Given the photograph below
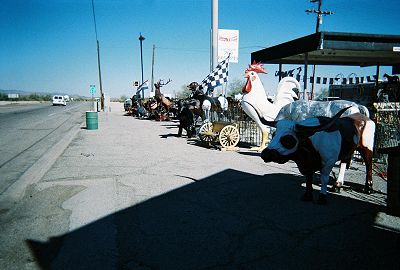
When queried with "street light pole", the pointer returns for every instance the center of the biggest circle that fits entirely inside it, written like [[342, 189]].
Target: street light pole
[[141, 38]]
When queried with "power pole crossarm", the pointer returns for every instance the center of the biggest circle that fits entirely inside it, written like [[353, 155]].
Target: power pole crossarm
[[319, 13]]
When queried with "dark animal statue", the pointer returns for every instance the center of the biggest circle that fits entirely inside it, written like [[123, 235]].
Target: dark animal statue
[[164, 104], [392, 79], [391, 90], [186, 122], [207, 104]]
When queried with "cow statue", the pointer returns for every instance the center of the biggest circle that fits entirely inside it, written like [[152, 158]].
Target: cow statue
[[317, 143], [301, 109]]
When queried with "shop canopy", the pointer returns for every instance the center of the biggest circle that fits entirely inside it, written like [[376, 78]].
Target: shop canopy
[[334, 48]]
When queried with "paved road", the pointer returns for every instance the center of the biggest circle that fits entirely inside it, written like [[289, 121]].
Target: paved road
[[132, 195], [28, 132]]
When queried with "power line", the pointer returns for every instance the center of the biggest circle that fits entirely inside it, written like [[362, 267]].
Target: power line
[[182, 49]]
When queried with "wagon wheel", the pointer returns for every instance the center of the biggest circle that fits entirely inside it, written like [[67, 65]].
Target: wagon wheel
[[206, 133], [229, 136]]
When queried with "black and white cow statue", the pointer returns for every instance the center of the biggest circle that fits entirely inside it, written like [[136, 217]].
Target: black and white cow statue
[[316, 144], [299, 110]]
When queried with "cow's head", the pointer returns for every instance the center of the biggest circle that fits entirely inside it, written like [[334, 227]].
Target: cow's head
[[289, 135]]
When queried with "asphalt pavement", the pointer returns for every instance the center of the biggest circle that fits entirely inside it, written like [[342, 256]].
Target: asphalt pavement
[[133, 195]]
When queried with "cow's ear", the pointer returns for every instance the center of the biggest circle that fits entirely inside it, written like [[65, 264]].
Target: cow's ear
[[288, 141]]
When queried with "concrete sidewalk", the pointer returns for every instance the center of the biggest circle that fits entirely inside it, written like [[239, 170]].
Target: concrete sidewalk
[[132, 195]]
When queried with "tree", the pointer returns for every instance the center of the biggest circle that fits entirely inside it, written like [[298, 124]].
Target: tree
[[3, 96], [184, 93], [123, 98], [235, 87]]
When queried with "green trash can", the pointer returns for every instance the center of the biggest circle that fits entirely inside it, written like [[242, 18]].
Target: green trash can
[[91, 120]]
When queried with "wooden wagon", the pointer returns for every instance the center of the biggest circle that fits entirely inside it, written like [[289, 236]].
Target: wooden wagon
[[226, 133]]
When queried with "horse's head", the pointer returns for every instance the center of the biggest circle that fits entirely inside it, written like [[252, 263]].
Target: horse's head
[[193, 86]]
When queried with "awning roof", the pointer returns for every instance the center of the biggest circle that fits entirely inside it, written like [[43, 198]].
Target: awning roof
[[333, 48]]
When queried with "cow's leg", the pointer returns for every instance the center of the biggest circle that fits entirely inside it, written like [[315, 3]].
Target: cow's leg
[[180, 131], [366, 154], [366, 151], [327, 167], [339, 182], [324, 186], [307, 196]]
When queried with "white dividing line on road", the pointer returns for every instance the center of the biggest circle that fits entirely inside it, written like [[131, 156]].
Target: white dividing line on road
[[66, 110], [16, 191]]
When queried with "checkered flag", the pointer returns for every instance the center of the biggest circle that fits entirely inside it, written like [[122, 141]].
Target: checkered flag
[[215, 78]]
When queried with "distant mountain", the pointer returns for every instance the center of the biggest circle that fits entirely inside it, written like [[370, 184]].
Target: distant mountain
[[14, 92], [27, 93]]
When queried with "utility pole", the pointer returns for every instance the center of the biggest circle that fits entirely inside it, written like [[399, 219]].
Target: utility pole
[[319, 22], [141, 38], [152, 69], [98, 60], [101, 85], [214, 35]]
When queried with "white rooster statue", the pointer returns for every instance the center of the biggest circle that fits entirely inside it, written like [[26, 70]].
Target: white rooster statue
[[255, 98]]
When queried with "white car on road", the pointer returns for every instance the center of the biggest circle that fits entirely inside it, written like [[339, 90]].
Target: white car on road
[[59, 100]]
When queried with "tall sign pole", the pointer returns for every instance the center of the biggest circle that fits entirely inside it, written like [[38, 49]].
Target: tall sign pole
[[214, 35]]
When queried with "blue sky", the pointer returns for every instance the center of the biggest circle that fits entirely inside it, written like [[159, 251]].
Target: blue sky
[[50, 45]]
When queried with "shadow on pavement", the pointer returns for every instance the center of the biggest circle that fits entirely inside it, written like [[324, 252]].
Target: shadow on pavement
[[165, 136], [230, 220], [250, 153]]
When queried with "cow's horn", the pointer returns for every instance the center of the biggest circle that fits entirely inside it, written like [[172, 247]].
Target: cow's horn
[[310, 130]]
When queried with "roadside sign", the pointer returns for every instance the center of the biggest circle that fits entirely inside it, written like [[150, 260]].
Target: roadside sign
[[228, 44], [142, 87], [92, 89], [13, 95]]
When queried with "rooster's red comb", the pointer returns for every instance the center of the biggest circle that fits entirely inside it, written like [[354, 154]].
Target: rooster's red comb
[[256, 67]]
